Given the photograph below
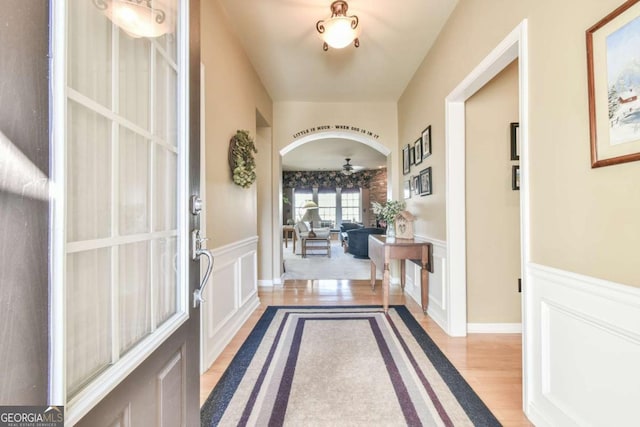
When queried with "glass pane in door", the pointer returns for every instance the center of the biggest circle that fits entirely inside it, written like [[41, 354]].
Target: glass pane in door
[[88, 323], [134, 183], [134, 294], [88, 174]]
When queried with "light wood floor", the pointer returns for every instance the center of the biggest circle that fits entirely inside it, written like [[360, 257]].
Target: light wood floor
[[491, 363]]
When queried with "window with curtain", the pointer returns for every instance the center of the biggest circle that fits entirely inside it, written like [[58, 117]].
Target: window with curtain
[[122, 272], [327, 208], [351, 206]]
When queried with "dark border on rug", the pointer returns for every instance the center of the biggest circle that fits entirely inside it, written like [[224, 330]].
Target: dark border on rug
[[217, 402], [475, 408]]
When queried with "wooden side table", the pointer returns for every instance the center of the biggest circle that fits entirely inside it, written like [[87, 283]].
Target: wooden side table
[[382, 250], [289, 231], [316, 243]]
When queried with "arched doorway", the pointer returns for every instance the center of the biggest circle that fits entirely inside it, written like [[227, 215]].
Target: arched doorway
[[315, 137]]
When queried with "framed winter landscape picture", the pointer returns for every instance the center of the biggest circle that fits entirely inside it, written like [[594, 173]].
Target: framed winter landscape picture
[[613, 72]]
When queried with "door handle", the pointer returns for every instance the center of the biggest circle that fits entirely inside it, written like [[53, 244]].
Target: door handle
[[196, 252]]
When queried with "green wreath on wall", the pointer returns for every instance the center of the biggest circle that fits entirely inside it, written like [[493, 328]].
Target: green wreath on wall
[[241, 161]]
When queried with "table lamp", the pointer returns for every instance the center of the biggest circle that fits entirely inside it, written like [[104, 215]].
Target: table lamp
[[311, 215]]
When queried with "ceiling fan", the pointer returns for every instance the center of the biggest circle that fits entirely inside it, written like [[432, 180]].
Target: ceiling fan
[[347, 168]]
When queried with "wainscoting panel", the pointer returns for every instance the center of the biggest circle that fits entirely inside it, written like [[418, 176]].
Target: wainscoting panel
[[583, 341], [231, 296], [437, 283], [248, 276]]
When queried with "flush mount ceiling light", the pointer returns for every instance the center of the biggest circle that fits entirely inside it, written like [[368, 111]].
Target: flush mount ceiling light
[[347, 168], [339, 30], [138, 18]]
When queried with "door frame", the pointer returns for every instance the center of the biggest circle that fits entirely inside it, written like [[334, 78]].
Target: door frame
[[514, 46]]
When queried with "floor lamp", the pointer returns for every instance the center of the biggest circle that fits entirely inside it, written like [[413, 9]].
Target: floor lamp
[[311, 215]]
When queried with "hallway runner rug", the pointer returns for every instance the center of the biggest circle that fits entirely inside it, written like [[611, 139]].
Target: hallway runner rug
[[342, 366]]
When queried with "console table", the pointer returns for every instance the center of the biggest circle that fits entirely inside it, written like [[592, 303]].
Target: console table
[[383, 249], [323, 243]]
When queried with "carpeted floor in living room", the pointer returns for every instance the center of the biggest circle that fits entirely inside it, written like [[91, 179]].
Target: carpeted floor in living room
[[340, 266]]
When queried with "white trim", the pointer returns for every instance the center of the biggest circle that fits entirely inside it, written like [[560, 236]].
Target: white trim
[[494, 328], [512, 47], [265, 283], [228, 248], [337, 134], [598, 320], [57, 211]]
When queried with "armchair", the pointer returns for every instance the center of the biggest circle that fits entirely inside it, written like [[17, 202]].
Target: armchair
[[301, 230], [359, 241]]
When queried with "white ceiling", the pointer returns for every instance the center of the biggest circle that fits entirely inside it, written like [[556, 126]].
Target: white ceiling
[[281, 41]]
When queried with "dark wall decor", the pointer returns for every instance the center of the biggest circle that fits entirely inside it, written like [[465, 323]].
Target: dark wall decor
[[326, 179], [406, 160], [417, 147], [426, 142], [426, 183], [515, 140], [515, 177]]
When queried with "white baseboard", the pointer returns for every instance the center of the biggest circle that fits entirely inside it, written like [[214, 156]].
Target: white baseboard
[[225, 334], [494, 328], [582, 344], [265, 283]]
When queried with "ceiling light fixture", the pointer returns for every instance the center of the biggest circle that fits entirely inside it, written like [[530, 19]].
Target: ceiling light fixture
[[138, 18], [339, 30], [347, 168]]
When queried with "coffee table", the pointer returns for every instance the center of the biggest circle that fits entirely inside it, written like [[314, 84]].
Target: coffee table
[[315, 243]]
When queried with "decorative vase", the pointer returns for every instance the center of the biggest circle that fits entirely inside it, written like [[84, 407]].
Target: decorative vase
[[391, 229]]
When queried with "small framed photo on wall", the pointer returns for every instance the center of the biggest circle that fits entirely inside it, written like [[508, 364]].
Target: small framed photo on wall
[[425, 182], [515, 141], [415, 184], [417, 147], [406, 160], [407, 189], [426, 142], [515, 177]]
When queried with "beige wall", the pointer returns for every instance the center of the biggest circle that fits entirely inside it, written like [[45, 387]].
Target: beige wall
[[493, 208], [582, 220], [233, 95], [379, 118]]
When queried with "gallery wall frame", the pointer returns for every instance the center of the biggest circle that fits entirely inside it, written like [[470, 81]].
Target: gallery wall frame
[[406, 160], [407, 188], [426, 184], [417, 147], [614, 107], [426, 142], [415, 184], [515, 177], [514, 131]]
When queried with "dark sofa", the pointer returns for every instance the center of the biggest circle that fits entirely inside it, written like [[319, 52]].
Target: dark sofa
[[359, 241], [345, 227]]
